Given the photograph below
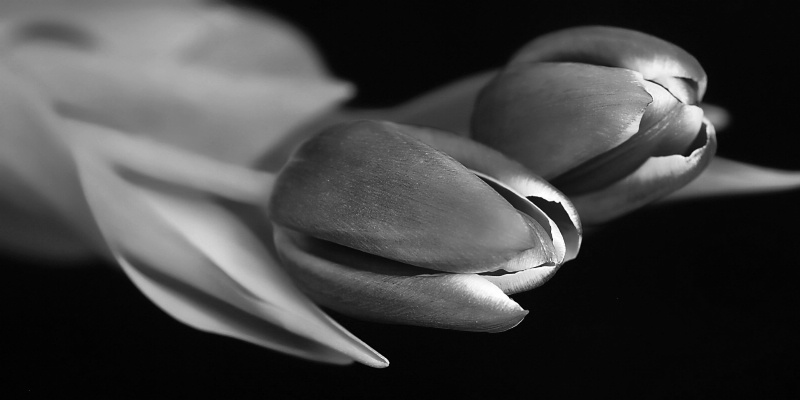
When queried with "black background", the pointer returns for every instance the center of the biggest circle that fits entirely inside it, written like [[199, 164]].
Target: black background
[[697, 300]]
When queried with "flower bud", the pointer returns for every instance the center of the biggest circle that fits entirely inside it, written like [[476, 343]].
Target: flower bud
[[376, 220], [608, 115]]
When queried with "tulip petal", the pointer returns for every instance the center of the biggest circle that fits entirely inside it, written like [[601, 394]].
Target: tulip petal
[[581, 111], [370, 186], [725, 177], [141, 29], [668, 127], [551, 204], [656, 178], [248, 42], [199, 263], [656, 59], [37, 175], [232, 119], [374, 288], [207, 35]]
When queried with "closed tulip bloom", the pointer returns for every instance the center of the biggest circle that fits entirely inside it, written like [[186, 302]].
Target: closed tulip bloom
[[610, 116], [376, 220]]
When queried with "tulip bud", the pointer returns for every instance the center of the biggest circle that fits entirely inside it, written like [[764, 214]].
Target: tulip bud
[[375, 220], [607, 115]]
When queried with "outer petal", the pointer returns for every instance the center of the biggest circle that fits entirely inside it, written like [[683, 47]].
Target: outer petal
[[378, 289], [656, 59], [200, 264], [553, 117], [656, 178], [557, 213], [725, 177], [37, 175], [206, 35], [231, 119], [370, 186]]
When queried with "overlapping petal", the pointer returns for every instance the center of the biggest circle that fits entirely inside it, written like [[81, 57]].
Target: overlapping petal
[[194, 258], [93, 102]]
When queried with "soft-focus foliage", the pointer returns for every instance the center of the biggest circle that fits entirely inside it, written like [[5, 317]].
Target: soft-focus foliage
[[114, 136]]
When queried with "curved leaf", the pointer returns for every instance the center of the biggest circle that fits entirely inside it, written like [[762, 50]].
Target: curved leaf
[[725, 177], [201, 264]]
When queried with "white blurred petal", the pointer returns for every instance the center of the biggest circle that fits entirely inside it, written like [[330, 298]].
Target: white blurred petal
[[201, 33], [200, 264], [725, 177], [37, 175], [232, 119]]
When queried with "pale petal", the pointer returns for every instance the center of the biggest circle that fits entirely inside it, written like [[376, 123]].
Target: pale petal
[[725, 177], [656, 178], [552, 204], [204, 34], [374, 288], [201, 264], [140, 29], [229, 118], [37, 174], [552, 117], [370, 186], [656, 59], [247, 42]]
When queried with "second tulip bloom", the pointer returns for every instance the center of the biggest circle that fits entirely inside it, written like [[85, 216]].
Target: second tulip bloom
[[608, 115]]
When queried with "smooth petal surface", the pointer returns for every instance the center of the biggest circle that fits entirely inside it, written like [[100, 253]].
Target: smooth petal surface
[[229, 118], [725, 177], [553, 210], [668, 127], [370, 186], [552, 117], [375, 288], [200, 264], [37, 174], [200, 33], [657, 177], [656, 59]]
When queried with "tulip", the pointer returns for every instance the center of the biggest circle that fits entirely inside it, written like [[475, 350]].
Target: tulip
[[111, 143], [377, 221], [610, 116]]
